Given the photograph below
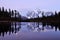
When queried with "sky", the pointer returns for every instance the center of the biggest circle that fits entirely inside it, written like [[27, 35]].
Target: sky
[[23, 5]]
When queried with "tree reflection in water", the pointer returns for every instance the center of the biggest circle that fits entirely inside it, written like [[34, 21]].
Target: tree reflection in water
[[14, 27], [10, 27]]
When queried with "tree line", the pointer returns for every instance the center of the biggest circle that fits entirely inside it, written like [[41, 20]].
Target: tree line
[[8, 14]]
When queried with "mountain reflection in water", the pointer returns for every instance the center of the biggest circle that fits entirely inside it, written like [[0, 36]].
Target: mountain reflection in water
[[14, 27], [40, 27]]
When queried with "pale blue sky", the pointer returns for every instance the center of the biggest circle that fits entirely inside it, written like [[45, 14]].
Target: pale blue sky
[[50, 5]]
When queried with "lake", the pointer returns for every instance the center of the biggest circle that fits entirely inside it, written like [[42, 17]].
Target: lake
[[29, 31]]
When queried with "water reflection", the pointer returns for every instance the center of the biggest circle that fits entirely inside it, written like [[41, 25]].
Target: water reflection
[[41, 27], [14, 27], [8, 27]]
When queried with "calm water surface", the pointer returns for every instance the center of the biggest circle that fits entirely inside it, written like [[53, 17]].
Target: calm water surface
[[29, 31]]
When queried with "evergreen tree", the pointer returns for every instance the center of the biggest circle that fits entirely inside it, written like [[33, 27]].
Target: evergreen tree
[[43, 14], [12, 14], [55, 13], [2, 9]]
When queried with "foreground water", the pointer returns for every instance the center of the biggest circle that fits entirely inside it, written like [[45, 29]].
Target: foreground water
[[29, 31]]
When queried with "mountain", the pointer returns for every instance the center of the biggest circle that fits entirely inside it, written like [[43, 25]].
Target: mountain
[[23, 18]]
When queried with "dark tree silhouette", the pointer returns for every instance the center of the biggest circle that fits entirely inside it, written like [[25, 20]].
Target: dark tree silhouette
[[43, 14], [11, 15], [3, 9]]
